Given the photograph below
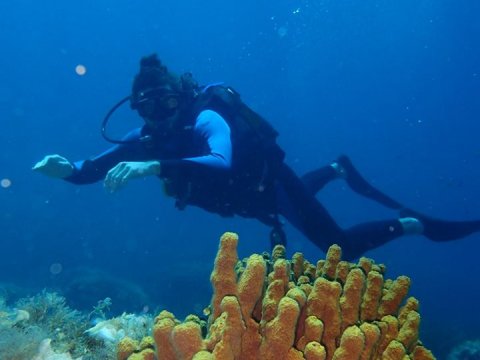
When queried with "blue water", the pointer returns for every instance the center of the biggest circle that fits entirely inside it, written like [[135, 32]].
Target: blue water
[[395, 85]]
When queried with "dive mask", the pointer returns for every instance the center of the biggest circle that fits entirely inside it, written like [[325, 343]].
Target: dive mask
[[155, 104]]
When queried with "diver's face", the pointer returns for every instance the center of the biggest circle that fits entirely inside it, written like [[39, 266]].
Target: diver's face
[[159, 107], [164, 122]]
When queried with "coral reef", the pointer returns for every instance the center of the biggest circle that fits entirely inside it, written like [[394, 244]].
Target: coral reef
[[115, 329], [20, 343], [43, 327], [45, 352], [266, 307]]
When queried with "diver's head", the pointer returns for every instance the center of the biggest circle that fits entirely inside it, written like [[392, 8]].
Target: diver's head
[[157, 94], [158, 105]]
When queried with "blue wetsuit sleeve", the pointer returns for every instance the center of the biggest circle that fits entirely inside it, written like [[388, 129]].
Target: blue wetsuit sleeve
[[214, 133], [96, 168]]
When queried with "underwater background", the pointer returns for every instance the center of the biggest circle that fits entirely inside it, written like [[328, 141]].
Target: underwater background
[[394, 85]]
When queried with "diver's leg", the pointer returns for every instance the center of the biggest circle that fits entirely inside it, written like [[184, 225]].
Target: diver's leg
[[357, 183], [367, 236], [343, 168], [277, 235], [443, 230], [306, 213], [434, 229], [315, 180], [300, 207]]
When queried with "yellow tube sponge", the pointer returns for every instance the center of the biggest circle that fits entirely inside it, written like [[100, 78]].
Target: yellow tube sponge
[[388, 332], [230, 345], [313, 331], [224, 278], [372, 335], [410, 305], [215, 332], [297, 265], [294, 354], [319, 268], [309, 270], [371, 296], [281, 271], [250, 285], [334, 255], [393, 297], [333, 311], [203, 355], [298, 295], [421, 353], [147, 354], [351, 344], [341, 272], [280, 332], [315, 351], [278, 252], [352, 297], [162, 332], [273, 295], [147, 343], [324, 303], [408, 334], [187, 340], [365, 264], [126, 347], [394, 351]]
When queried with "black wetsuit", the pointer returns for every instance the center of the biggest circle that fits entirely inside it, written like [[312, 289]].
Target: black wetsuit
[[199, 168]]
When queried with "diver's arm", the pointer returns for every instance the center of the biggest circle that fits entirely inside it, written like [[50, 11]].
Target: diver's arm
[[91, 170], [96, 169], [119, 167], [215, 131]]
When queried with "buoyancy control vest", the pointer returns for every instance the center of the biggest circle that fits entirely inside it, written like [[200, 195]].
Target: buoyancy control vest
[[255, 157], [251, 133]]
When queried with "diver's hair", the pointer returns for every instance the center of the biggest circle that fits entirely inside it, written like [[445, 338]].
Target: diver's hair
[[154, 74]]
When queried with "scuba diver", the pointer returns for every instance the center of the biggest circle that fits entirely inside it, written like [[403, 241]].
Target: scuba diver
[[213, 151]]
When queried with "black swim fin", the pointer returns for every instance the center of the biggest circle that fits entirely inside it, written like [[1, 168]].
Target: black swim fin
[[443, 230], [361, 186]]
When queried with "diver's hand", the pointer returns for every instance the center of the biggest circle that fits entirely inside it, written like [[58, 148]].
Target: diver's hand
[[55, 166], [118, 176]]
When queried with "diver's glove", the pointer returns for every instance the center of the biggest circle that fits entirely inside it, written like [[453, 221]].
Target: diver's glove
[[119, 175], [55, 166]]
